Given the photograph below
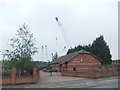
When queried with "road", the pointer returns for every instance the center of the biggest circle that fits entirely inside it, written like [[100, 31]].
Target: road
[[106, 82]]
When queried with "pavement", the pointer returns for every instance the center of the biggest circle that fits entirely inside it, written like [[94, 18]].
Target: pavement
[[58, 81]]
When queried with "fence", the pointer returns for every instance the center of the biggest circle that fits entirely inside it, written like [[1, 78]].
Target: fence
[[15, 79], [92, 71]]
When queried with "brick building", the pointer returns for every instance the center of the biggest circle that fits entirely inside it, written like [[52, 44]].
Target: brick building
[[74, 61], [115, 61]]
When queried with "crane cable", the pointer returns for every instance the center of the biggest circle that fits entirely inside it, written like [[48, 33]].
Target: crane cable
[[64, 34]]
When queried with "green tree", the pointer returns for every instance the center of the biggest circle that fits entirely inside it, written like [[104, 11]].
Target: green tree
[[22, 48], [55, 57], [101, 50], [80, 47]]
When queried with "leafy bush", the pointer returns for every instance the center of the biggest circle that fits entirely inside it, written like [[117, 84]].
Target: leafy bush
[[6, 73], [117, 67], [49, 70], [97, 70], [24, 73], [108, 68]]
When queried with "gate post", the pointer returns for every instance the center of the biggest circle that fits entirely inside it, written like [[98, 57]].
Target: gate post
[[13, 75], [91, 72], [113, 69], [35, 74], [103, 70]]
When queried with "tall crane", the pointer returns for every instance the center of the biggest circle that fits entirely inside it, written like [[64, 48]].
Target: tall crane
[[46, 53], [42, 53], [64, 34]]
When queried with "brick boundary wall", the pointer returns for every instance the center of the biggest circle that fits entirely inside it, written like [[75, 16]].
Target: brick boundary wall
[[23, 79], [92, 74]]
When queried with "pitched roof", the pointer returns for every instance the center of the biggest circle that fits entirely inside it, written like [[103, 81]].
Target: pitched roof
[[68, 57]]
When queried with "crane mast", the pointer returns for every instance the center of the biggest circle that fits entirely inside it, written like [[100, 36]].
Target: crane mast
[[63, 33]]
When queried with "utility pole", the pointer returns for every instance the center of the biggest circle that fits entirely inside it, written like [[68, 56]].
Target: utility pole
[[42, 53], [46, 53]]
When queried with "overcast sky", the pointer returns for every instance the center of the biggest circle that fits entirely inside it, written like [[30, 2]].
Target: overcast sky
[[82, 20]]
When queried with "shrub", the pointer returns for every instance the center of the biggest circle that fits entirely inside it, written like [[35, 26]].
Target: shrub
[[49, 70], [6, 73], [97, 70]]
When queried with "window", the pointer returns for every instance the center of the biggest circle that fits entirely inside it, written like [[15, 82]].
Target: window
[[74, 69]]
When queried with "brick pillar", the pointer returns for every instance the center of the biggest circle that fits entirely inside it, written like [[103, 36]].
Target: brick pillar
[[13, 75], [58, 69], [103, 70], [35, 74], [91, 72], [38, 73], [113, 69]]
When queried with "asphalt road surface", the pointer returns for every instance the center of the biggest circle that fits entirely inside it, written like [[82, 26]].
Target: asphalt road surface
[[106, 82]]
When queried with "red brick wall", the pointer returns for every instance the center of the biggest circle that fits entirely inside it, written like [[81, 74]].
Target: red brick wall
[[5, 80], [26, 79], [56, 67], [81, 66], [87, 59], [91, 73]]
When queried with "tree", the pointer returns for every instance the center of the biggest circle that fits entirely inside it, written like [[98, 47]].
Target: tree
[[101, 50], [80, 47], [22, 48], [55, 57]]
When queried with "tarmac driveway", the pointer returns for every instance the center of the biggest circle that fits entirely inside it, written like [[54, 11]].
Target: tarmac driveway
[[56, 77]]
